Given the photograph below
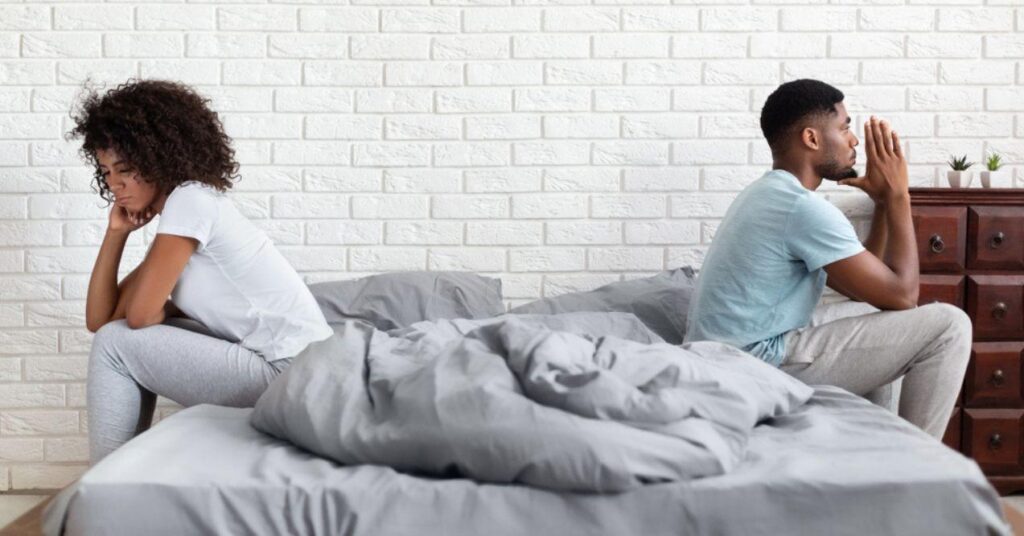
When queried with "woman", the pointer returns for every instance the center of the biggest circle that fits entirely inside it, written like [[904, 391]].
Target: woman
[[237, 311]]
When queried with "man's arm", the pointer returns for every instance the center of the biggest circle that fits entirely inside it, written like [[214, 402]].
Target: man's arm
[[876, 243], [878, 237], [865, 275]]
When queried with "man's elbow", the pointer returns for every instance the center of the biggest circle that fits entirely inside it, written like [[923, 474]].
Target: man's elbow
[[909, 299]]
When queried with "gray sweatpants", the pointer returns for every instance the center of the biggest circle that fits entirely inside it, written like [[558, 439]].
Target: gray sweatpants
[[180, 360], [863, 350]]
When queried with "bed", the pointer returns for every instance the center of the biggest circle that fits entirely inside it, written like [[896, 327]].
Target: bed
[[836, 464], [839, 465]]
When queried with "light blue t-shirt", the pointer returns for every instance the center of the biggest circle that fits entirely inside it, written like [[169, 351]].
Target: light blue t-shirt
[[763, 275]]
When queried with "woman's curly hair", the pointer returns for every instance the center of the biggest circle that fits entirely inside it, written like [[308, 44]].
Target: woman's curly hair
[[163, 129]]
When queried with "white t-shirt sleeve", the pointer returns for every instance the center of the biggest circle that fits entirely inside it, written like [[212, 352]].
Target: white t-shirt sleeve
[[192, 211]]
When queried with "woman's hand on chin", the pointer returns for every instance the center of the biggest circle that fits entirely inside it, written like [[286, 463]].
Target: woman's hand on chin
[[125, 221]]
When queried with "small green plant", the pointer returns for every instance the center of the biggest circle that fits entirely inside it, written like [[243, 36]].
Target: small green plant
[[994, 162], [959, 164]]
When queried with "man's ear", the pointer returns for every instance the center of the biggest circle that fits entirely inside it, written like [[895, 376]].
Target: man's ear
[[809, 137]]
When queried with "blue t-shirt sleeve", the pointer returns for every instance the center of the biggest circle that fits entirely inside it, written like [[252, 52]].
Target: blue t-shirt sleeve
[[819, 234]]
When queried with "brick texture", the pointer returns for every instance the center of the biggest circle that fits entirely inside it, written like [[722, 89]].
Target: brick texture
[[559, 147]]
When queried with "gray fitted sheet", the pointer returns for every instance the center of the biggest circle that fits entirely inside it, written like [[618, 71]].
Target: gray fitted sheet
[[839, 465]]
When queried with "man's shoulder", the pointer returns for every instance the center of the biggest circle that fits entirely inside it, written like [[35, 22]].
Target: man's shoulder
[[816, 207], [766, 199]]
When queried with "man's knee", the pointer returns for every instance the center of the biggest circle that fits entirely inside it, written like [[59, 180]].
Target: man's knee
[[952, 324], [951, 317]]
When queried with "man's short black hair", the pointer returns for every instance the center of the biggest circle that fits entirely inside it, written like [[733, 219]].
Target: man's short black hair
[[793, 101]]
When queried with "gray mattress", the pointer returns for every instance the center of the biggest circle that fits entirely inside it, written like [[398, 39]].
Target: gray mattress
[[839, 465]]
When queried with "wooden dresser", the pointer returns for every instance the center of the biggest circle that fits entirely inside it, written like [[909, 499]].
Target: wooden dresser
[[971, 247]]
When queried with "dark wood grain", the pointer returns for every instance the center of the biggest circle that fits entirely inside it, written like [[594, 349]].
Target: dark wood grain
[[995, 304], [993, 295], [997, 238], [941, 238], [992, 438], [967, 196], [952, 436], [942, 288], [994, 375]]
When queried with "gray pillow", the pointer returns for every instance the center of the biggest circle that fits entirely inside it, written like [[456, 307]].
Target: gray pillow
[[400, 299], [661, 301]]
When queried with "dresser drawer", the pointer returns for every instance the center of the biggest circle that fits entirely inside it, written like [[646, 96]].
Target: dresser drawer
[[942, 288], [993, 376], [952, 435], [996, 238], [941, 237], [995, 305], [992, 438]]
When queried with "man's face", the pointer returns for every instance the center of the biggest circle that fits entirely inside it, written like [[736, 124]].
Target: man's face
[[838, 146]]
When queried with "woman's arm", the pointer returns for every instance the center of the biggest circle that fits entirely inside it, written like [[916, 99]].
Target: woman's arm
[[141, 299], [146, 305], [127, 289], [102, 299], [104, 296]]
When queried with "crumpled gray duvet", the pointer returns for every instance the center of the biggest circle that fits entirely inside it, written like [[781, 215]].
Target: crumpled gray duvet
[[578, 402]]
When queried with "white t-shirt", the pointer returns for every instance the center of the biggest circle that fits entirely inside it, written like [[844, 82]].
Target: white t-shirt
[[237, 283]]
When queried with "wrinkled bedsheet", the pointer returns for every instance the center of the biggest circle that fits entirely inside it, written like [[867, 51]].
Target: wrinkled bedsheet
[[838, 465], [511, 400]]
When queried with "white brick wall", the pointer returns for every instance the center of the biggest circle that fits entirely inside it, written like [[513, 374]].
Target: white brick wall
[[557, 144]]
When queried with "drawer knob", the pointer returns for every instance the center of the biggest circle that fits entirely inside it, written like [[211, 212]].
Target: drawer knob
[[938, 246], [997, 240], [995, 441], [999, 311], [998, 377]]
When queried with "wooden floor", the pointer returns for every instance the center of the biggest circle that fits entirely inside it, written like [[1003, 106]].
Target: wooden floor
[[28, 524]]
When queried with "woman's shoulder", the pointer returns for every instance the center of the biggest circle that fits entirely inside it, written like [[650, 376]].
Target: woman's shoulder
[[192, 198], [191, 192], [196, 188]]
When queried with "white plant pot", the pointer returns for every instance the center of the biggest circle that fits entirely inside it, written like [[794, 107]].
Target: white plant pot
[[996, 179], [959, 179]]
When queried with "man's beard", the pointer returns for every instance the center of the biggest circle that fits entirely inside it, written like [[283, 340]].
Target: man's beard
[[832, 170]]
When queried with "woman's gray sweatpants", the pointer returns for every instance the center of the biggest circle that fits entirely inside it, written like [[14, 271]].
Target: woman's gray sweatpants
[[861, 349], [179, 360]]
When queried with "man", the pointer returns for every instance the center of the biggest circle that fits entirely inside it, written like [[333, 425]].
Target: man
[[780, 243]]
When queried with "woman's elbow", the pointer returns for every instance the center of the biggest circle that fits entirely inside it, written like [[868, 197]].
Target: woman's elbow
[[137, 319], [93, 323], [139, 322]]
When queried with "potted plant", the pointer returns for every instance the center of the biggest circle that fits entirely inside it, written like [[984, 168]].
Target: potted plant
[[959, 177], [992, 176]]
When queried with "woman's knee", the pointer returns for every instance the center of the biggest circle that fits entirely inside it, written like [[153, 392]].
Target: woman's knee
[[109, 334], [106, 341]]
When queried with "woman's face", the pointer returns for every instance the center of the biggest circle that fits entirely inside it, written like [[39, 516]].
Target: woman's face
[[130, 191]]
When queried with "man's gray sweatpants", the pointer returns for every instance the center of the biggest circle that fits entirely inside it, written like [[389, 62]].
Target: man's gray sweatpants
[[180, 360], [863, 350]]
